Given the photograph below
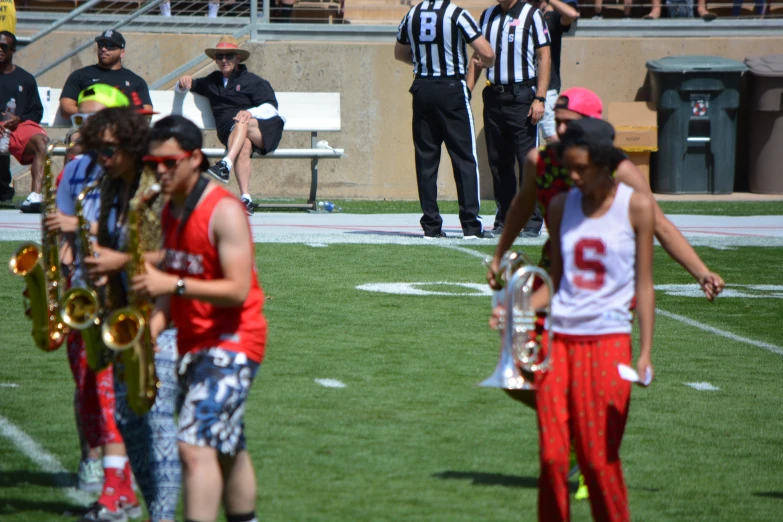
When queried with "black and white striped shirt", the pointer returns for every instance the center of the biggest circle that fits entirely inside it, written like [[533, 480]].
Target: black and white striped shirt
[[514, 36], [437, 32]]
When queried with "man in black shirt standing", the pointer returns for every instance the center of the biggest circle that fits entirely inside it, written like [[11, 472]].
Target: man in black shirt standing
[[558, 16], [432, 37], [245, 109], [514, 97], [108, 70], [27, 140]]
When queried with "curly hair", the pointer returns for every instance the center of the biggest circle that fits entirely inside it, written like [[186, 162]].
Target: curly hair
[[130, 129]]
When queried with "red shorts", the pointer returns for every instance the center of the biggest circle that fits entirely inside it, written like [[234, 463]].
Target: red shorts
[[20, 138]]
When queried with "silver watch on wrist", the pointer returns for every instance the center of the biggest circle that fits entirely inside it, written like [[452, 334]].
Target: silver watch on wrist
[[180, 290]]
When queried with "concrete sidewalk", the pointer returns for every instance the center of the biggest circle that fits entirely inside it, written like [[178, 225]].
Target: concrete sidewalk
[[322, 229]]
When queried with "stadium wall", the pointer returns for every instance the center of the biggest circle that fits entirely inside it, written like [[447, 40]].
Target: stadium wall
[[376, 106]]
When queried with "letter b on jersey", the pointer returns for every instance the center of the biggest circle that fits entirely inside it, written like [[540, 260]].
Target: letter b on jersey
[[427, 32]]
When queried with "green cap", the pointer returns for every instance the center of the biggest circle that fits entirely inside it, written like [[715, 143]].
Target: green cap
[[105, 95]]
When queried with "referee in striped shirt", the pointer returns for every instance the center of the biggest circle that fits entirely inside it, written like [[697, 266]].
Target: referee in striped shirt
[[432, 37], [514, 96]]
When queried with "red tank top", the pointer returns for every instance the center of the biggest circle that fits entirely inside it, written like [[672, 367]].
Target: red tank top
[[200, 325]]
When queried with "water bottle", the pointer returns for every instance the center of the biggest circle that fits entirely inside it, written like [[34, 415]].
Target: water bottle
[[5, 140], [328, 206]]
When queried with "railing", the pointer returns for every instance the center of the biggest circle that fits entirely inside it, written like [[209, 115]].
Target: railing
[[364, 12]]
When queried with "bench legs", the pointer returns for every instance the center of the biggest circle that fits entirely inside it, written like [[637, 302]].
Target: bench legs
[[313, 174]]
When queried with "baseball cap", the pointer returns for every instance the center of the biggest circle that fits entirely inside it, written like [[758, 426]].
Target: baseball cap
[[106, 95], [582, 101], [589, 131], [110, 35]]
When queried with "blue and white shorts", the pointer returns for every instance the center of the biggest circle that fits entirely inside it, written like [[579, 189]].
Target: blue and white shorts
[[214, 385]]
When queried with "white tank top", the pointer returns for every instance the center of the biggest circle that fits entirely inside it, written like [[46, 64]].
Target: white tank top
[[599, 268]]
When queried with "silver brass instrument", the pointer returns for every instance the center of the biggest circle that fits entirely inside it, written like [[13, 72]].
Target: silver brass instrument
[[81, 308], [39, 265], [520, 350]]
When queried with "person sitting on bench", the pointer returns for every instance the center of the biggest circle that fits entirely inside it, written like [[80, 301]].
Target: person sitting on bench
[[245, 109]]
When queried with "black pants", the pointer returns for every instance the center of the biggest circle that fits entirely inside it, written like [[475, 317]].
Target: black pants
[[441, 113], [510, 136], [6, 191]]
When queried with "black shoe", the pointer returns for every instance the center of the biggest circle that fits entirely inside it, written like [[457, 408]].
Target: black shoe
[[7, 195], [249, 207], [498, 230], [530, 232], [485, 234], [219, 171], [438, 235]]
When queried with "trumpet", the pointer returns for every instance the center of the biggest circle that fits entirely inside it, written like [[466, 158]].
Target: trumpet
[[39, 265], [80, 308], [127, 330], [520, 350]]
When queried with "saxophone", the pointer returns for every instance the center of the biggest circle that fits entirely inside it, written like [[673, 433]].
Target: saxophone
[[127, 330], [80, 308], [39, 265]]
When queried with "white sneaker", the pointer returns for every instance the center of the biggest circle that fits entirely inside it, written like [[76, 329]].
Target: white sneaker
[[90, 476], [33, 203]]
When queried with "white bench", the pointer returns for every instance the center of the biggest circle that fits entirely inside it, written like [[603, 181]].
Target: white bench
[[311, 112]]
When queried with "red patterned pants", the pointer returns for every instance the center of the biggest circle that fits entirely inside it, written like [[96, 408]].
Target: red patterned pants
[[94, 396], [583, 398]]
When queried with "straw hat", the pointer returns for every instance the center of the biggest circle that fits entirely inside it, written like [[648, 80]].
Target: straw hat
[[228, 44]]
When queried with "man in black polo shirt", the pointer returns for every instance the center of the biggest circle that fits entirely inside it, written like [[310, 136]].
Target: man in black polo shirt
[[245, 109], [108, 70]]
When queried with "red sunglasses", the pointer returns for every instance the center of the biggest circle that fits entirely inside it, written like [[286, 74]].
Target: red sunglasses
[[168, 161]]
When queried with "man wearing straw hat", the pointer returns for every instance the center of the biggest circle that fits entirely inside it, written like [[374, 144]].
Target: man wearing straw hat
[[245, 110]]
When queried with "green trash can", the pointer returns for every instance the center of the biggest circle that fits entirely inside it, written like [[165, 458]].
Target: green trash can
[[765, 135], [697, 99]]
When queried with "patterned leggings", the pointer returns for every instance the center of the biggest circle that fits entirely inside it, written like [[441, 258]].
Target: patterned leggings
[[151, 440]]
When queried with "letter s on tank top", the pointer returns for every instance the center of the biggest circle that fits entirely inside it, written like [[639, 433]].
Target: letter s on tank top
[[599, 268], [190, 253]]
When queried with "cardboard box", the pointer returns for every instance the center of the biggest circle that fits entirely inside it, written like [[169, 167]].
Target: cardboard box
[[636, 131]]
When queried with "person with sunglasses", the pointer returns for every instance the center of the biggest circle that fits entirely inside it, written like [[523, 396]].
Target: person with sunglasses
[[245, 109], [27, 139], [209, 289], [109, 71], [119, 136]]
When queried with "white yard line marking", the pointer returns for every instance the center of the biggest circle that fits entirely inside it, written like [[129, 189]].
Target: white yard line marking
[[723, 333], [45, 460], [316, 245], [464, 250], [702, 386], [330, 383], [8, 385]]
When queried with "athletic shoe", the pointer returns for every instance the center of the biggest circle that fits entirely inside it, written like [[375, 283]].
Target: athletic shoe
[[32, 205], [249, 208], [486, 234], [7, 194], [100, 513], [581, 492], [438, 235], [219, 171], [90, 476], [498, 230], [530, 232]]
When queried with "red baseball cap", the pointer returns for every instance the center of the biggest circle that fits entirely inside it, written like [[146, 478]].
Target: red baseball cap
[[582, 101]]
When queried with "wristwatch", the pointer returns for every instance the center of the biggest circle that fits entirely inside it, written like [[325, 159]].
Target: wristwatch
[[180, 290], [540, 98]]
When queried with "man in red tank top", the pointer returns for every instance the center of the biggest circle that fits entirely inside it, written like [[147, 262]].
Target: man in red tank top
[[209, 289]]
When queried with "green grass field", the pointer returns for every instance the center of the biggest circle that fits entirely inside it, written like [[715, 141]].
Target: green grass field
[[411, 436]]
